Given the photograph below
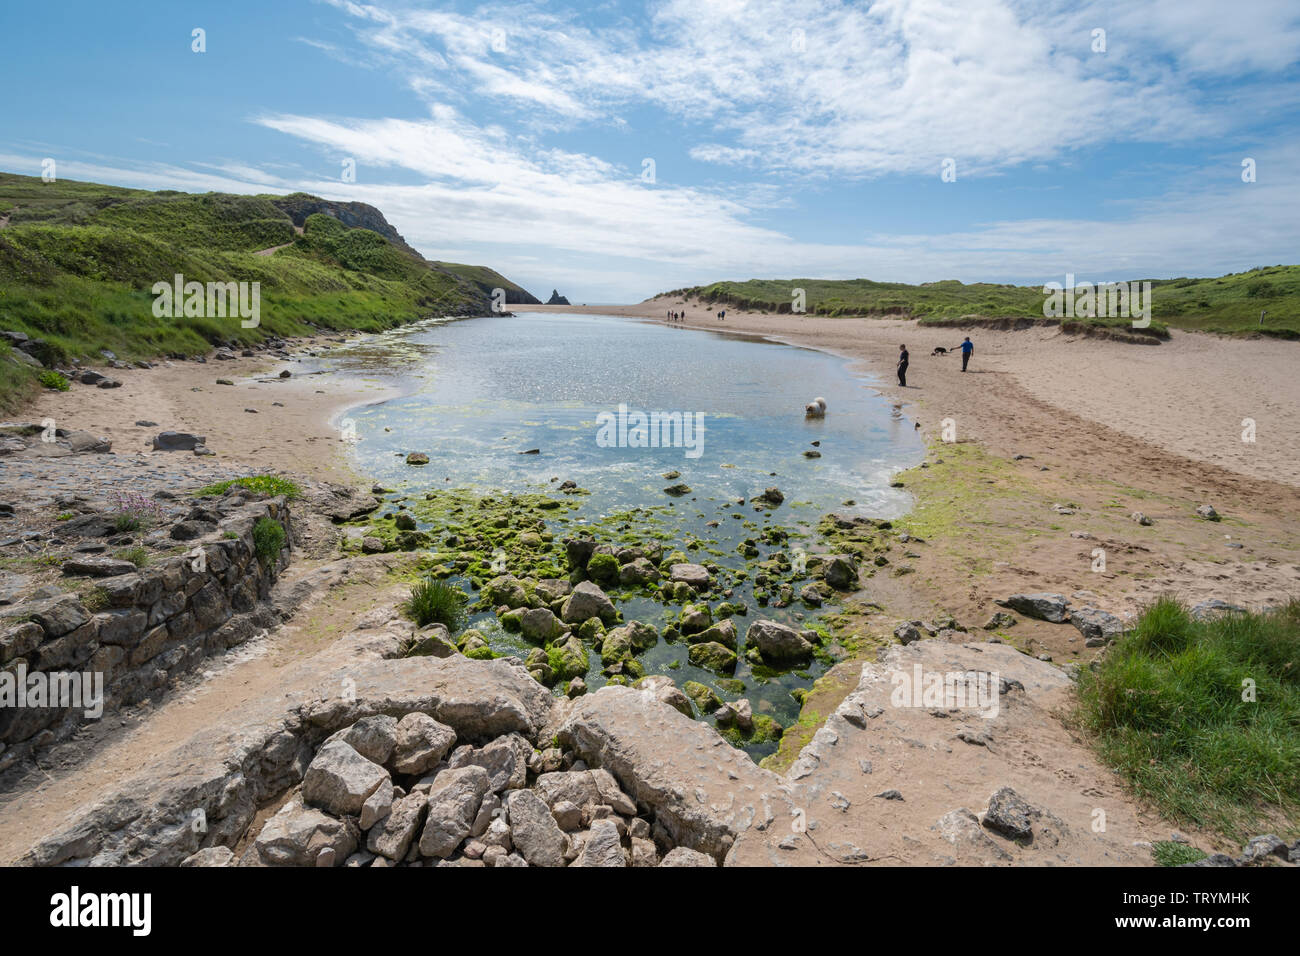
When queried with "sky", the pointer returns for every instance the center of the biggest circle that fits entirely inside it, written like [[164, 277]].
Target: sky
[[619, 149]]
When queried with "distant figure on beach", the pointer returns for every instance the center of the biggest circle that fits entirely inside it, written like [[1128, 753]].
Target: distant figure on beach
[[967, 349], [902, 365]]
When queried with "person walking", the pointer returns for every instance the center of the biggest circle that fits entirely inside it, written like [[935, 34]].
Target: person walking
[[967, 350], [902, 365]]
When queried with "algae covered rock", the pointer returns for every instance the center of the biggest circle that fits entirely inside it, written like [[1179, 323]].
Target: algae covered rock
[[777, 642], [694, 618], [569, 659], [603, 567], [724, 633], [588, 601], [705, 698], [713, 656]]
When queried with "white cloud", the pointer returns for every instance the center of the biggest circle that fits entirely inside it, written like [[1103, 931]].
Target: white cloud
[[840, 88]]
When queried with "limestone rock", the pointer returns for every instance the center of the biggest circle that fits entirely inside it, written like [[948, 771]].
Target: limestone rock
[[297, 835], [533, 829], [420, 743], [340, 779], [392, 836], [454, 800]]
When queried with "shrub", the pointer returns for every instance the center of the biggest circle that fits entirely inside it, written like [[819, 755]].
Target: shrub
[[437, 602], [54, 380], [268, 540]]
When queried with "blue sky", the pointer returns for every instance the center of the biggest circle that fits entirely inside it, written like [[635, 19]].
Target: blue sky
[[803, 138]]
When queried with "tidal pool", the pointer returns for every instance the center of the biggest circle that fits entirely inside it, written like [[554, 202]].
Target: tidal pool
[[478, 395]]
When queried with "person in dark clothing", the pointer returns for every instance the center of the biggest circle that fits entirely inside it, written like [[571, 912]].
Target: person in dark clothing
[[902, 365], [967, 349]]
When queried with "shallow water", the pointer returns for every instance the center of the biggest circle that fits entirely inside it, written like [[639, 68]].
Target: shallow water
[[478, 392]]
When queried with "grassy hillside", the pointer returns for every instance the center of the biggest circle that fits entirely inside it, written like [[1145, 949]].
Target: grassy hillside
[[1228, 304], [78, 260]]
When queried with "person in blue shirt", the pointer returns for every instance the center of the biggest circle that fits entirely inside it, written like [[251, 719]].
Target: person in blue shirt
[[967, 349]]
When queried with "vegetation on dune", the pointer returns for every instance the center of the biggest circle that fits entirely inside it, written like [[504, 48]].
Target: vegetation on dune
[[78, 262], [1227, 304], [1202, 717]]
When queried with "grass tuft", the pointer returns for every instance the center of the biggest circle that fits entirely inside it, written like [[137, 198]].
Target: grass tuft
[[268, 540], [1203, 717], [437, 602]]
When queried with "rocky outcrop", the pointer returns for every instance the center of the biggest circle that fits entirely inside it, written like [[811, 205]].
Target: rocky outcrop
[[556, 298], [703, 791], [891, 775]]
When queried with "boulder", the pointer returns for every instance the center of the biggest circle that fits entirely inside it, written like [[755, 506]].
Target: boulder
[[685, 856], [603, 846], [699, 788], [841, 572], [373, 737], [504, 758], [454, 800], [713, 656], [696, 575], [724, 633], [96, 566], [299, 835], [777, 641], [1010, 815], [1097, 626], [1043, 606], [533, 829], [638, 572], [420, 743], [540, 626], [666, 691], [588, 601], [177, 441], [391, 837], [340, 779]]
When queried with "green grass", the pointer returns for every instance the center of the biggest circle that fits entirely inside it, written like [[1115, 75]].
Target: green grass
[[261, 484], [1228, 304], [1169, 853], [78, 260], [437, 602], [268, 539], [54, 380], [1167, 711], [137, 555]]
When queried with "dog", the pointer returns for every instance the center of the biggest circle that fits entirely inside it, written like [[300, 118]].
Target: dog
[[939, 350], [815, 409]]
